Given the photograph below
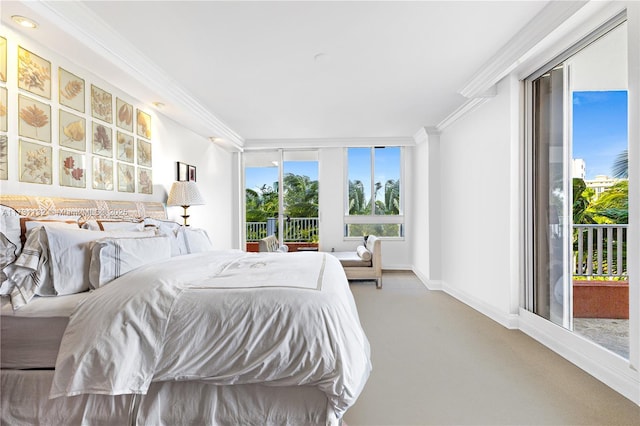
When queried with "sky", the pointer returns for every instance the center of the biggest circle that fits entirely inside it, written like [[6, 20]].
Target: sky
[[599, 129], [255, 177]]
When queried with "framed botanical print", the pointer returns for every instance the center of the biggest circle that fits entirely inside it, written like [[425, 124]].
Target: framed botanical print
[[4, 162], [70, 90], [102, 174], [125, 146], [3, 59], [145, 181], [144, 153], [126, 178], [192, 173], [4, 109], [35, 163], [72, 132], [34, 73], [124, 117], [101, 104], [102, 140], [72, 170], [143, 124], [182, 171], [35, 119]]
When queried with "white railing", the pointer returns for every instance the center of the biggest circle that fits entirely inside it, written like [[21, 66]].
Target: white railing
[[600, 250], [296, 229]]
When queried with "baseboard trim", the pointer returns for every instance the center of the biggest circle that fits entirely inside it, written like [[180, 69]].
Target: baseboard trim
[[611, 369], [429, 284]]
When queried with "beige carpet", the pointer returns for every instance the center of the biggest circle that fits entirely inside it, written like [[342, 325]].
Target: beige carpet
[[438, 362]]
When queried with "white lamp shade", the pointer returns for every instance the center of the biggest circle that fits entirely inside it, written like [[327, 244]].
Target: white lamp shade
[[184, 193]]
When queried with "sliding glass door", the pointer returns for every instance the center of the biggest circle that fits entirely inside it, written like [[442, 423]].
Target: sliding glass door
[[281, 198]]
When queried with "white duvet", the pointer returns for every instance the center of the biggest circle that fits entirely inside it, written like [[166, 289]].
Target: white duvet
[[221, 317]]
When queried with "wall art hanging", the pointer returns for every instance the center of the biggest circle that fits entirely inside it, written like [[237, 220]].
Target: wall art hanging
[[4, 110], [102, 142], [72, 132], [3, 59], [70, 90], [143, 122], [4, 162], [124, 115], [144, 153], [126, 178], [102, 173], [145, 181], [35, 119], [72, 169], [34, 73], [101, 104], [125, 147], [35, 163]]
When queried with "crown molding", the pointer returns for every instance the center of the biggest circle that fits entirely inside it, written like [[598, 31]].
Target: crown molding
[[257, 144], [511, 54], [462, 110], [79, 22]]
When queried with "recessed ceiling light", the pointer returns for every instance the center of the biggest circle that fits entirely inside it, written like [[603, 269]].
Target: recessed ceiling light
[[320, 57], [24, 22], [158, 105]]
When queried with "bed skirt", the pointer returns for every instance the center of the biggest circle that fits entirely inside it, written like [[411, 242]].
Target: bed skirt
[[24, 401]]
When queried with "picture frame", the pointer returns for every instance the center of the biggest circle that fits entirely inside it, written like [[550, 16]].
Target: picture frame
[[35, 163], [71, 90], [125, 147], [102, 174], [124, 117], [126, 178], [4, 109], [102, 141], [34, 73], [72, 131], [3, 59], [143, 124], [145, 181], [192, 173], [101, 104], [34, 119], [72, 170], [4, 157], [182, 171], [144, 153]]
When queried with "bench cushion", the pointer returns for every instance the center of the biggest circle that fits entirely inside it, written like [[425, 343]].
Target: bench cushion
[[351, 259]]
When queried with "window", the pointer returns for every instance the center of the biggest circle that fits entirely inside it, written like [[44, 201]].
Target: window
[[374, 202]]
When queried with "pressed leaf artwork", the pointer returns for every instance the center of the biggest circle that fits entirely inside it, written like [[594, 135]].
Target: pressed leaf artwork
[[144, 153], [72, 169], [126, 178], [34, 73], [71, 90], [124, 118], [101, 104], [102, 144], [145, 181], [4, 162], [35, 119], [3, 59], [3, 109], [125, 147], [72, 131], [102, 173], [143, 124], [35, 163]]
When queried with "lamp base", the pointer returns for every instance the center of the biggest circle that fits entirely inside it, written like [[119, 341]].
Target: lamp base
[[185, 216]]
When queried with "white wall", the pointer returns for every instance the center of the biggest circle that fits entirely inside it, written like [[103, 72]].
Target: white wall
[[476, 184], [171, 142]]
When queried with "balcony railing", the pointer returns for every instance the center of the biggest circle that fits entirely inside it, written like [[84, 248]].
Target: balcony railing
[[600, 251], [296, 229]]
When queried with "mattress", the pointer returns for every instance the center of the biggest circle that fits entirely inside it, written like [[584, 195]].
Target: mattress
[[30, 337]]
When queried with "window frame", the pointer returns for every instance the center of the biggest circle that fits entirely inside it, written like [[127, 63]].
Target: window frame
[[372, 218]]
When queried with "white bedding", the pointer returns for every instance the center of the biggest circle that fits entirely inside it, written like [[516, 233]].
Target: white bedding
[[184, 320]]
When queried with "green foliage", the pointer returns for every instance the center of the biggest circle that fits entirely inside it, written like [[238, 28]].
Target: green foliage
[[620, 167], [611, 207], [359, 206]]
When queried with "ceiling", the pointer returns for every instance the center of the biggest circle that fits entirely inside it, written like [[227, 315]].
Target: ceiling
[[286, 70]]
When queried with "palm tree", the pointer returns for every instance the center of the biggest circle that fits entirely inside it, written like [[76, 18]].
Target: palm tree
[[620, 167], [357, 201]]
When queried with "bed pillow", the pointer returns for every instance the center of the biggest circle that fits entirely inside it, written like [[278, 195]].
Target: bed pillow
[[363, 253], [113, 257], [7, 257], [70, 256], [10, 226], [193, 240], [169, 229], [29, 223]]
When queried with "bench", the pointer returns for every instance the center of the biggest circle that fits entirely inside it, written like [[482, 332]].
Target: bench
[[365, 263]]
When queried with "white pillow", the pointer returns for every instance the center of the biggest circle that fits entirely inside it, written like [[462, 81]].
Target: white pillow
[[70, 255], [168, 229], [363, 253], [7, 256], [113, 257], [10, 226], [193, 240], [113, 225]]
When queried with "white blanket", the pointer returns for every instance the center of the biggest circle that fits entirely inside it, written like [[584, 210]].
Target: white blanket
[[181, 321]]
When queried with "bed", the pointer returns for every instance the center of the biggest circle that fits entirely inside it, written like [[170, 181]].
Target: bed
[[195, 337]]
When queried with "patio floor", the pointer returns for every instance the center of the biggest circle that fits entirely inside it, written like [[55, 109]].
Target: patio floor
[[613, 334]]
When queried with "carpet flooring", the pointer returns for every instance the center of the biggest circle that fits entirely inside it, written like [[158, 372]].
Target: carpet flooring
[[436, 361]]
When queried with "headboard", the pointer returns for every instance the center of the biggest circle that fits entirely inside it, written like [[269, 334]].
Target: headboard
[[35, 206]]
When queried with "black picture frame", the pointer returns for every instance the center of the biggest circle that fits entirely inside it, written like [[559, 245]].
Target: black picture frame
[[182, 171], [192, 173]]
